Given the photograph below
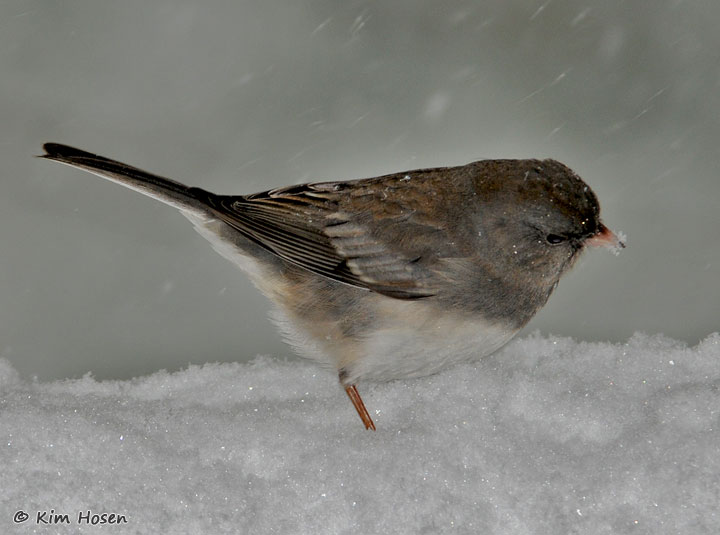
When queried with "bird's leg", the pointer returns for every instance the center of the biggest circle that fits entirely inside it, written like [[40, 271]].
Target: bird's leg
[[354, 395]]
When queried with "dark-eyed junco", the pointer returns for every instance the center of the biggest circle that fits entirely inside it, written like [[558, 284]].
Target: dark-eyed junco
[[400, 275]]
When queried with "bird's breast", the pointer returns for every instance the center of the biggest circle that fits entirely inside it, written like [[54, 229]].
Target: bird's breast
[[418, 338]]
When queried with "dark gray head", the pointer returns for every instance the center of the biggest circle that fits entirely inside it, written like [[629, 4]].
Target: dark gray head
[[533, 220]]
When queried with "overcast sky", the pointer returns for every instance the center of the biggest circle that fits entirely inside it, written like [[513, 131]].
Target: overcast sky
[[238, 97]]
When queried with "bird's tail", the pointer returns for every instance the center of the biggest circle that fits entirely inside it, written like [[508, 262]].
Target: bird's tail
[[163, 189]]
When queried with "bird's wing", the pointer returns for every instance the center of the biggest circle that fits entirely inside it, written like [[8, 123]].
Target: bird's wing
[[382, 234]]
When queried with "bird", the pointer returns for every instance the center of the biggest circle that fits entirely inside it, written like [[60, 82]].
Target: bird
[[396, 276]]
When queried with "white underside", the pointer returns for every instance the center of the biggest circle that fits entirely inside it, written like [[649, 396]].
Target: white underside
[[213, 230], [416, 339]]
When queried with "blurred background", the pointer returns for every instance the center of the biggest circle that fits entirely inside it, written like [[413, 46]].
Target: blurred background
[[238, 97]]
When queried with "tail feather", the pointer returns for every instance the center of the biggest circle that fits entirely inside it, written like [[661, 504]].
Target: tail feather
[[160, 188]]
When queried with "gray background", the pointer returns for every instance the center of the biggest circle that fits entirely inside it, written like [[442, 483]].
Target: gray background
[[238, 97]]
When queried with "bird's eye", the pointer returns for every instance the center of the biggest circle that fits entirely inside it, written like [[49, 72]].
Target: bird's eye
[[554, 239]]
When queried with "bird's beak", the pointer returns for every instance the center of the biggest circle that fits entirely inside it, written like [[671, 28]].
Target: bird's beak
[[605, 237]]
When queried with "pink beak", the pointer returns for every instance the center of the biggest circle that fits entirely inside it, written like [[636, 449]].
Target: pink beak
[[605, 238]]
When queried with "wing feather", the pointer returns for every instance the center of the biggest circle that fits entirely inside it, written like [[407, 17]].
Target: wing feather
[[373, 234]]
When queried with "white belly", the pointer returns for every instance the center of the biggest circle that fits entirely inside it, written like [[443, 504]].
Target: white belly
[[418, 341], [414, 340], [407, 339]]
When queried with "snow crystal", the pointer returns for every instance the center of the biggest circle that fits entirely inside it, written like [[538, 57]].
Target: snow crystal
[[546, 436], [617, 247], [437, 105]]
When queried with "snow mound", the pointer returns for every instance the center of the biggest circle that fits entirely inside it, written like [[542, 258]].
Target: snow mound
[[547, 436]]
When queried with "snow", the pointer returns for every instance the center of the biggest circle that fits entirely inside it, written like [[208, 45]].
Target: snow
[[549, 435]]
